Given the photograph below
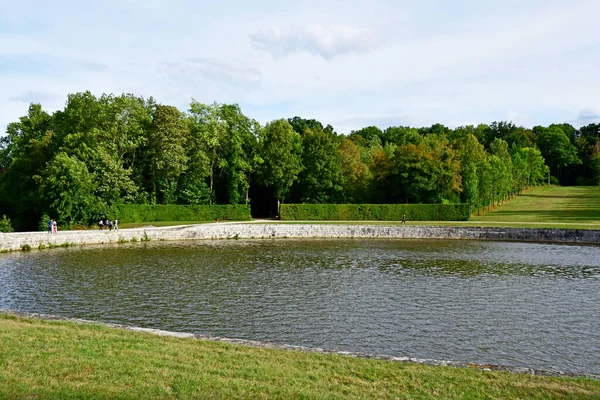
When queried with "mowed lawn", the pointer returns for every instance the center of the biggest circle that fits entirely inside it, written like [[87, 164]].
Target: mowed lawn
[[63, 360], [575, 206]]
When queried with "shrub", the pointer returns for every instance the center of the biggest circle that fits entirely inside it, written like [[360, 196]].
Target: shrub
[[155, 213], [43, 226], [5, 225], [374, 212]]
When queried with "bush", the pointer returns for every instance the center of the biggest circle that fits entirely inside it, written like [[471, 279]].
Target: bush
[[374, 212], [5, 225], [43, 226], [156, 213]]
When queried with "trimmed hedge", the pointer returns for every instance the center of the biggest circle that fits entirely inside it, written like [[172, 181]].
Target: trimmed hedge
[[374, 212], [156, 213]]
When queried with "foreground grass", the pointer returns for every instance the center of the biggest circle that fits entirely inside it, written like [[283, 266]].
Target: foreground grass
[[49, 359]]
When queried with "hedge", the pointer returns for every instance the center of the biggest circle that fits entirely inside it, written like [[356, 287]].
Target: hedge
[[374, 212], [156, 213]]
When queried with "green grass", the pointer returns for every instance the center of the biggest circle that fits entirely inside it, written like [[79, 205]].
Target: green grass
[[555, 207], [552, 206], [58, 360]]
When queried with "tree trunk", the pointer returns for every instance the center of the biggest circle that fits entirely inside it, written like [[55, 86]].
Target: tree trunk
[[212, 179]]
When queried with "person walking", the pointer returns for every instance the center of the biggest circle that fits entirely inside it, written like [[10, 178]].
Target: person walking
[[54, 227], [50, 226], [404, 218], [101, 225], [116, 225]]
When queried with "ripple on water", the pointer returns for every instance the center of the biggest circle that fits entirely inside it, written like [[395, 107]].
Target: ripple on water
[[519, 304]]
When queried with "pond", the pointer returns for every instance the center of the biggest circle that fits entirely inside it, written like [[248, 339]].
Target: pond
[[516, 304]]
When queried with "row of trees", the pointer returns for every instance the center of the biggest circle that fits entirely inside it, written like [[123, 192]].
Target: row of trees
[[97, 152]]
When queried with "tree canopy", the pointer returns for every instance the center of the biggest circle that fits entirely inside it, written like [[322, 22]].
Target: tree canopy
[[97, 152]]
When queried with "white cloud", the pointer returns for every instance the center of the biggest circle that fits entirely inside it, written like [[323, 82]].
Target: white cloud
[[350, 64], [36, 97], [325, 41]]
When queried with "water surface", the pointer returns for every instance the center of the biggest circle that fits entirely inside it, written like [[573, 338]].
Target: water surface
[[518, 304]]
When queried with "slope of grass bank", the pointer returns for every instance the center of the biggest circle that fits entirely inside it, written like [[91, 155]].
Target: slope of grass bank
[[50, 359], [565, 205]]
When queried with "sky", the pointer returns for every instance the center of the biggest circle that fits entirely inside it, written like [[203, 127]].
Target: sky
[[349, 63]]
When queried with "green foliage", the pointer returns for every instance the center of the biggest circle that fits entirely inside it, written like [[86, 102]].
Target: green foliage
[[5, 225], [320, 179], [156, 213], [374, 212], [77, 163], [281, 152], [168, 158], [43, 226], [68, 189]]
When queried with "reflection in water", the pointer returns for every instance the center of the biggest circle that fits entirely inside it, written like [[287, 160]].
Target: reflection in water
[[521, 304]]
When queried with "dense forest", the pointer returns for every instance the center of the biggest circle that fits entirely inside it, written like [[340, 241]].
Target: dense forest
[[77, 163]]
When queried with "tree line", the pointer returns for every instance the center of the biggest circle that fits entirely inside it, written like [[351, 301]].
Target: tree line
[[79, 162]]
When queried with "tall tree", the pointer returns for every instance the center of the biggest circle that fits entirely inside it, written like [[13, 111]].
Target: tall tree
[[167, 140], [556, 148], [210, 132], [67, 186], [281, 149], [355, 173], [320, 179]]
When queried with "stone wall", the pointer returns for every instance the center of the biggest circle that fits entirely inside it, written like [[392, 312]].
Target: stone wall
[[232, 230]]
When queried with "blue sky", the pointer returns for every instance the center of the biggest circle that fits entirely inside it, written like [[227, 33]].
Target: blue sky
[[348, 63]]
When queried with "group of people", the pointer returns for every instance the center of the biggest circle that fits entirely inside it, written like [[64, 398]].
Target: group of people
[[108, 224], [52, 226]]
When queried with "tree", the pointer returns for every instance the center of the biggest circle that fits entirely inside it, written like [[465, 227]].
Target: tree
[[355, 174], [320, 179], [209, 131], [503, 178], [167, 142], [281, 149], [27, 147], [472, 158], [556, 148], [67, 186], [240, 147]]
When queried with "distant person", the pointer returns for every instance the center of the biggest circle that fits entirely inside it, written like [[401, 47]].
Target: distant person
[[403, 218], [50, 226], [116, 225], [110, 225], [101, 225], [54, 227]]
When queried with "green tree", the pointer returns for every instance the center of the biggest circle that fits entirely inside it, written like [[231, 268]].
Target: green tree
[[281, 149], [472, 158], [210, 131], [320, 179], [556, 148], [355, 173], [67, 187], [168, 137], [27, 147]]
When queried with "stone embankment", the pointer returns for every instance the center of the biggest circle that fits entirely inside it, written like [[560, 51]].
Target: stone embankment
[[232, 230]]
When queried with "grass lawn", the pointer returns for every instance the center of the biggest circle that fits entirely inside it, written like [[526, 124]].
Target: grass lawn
[[58, 360], [549, 205], [555, 207]]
